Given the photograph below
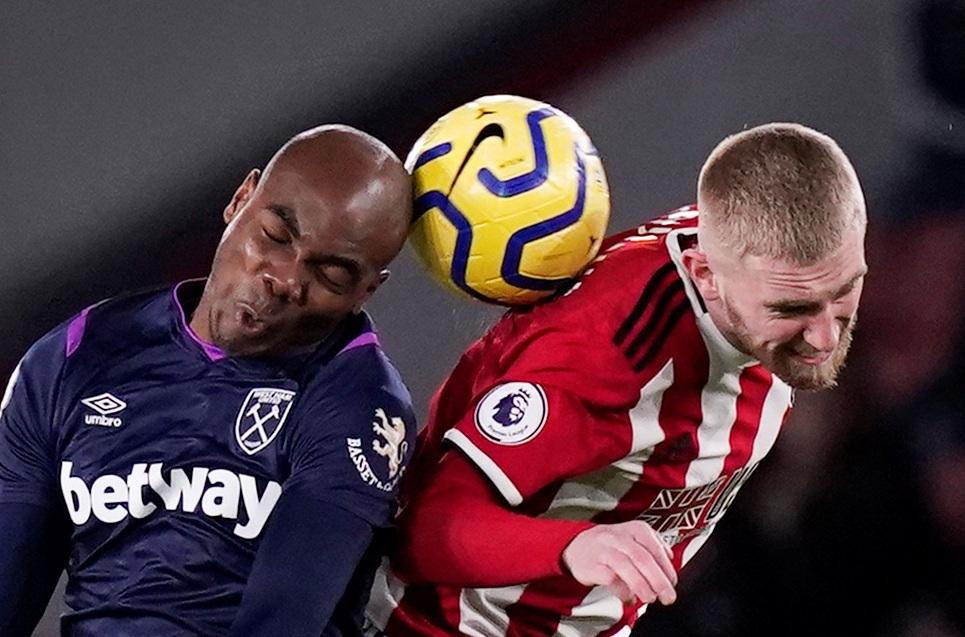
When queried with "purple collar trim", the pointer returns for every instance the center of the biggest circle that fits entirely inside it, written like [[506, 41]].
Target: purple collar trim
[[366, 338], [213, 352]]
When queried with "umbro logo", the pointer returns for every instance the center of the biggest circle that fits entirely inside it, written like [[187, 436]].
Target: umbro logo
[[105, 405]]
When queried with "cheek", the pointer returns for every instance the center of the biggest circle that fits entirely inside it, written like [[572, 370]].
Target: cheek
[[780, 331], [328, 304], [251, 253]]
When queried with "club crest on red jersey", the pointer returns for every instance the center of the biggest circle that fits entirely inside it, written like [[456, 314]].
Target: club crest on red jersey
[[261, 417], [512, 413]]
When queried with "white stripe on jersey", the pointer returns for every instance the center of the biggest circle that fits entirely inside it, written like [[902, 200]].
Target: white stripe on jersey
[[482, 611], [484, 462], [776, 402], [718, 403], [386, 590], [582, 497], [645, 415], [597, 612]]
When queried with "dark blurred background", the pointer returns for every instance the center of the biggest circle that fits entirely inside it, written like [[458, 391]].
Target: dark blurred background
[[126, 126]]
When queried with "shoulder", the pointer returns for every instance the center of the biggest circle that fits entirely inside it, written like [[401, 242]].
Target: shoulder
[[352, 385], [610, 331], [101, 321], [115, 324], [69, 350]]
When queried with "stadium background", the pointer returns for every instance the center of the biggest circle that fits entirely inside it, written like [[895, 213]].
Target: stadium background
[[127, 126]]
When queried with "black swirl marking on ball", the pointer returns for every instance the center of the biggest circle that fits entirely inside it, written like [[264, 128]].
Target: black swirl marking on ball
[[487, 131]]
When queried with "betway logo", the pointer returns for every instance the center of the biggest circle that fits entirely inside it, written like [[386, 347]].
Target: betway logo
[[221, 493]]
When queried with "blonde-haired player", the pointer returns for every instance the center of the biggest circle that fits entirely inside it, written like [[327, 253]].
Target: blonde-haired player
[[583, 450]]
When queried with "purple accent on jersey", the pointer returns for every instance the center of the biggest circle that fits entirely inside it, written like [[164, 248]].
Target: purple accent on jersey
[[367, 338], [212, 351], [75, 331]]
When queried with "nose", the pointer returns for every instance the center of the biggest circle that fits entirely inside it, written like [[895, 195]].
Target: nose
[[284, 281], [823, 332]]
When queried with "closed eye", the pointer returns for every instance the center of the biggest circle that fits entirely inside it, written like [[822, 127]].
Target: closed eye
[[274, 235], [336, 278], [794, 309]]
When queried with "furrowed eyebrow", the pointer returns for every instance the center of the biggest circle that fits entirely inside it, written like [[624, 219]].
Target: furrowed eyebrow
[[847, 287], [287, 215], [788, 306]]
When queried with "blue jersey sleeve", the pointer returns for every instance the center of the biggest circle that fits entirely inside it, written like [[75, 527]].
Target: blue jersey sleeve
[[352, 446], [27, 435], [33, 528], [309, 554]]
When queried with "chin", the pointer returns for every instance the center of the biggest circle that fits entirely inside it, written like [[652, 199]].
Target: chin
[[809, 377]]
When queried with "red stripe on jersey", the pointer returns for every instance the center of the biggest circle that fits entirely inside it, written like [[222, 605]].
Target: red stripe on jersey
[[423, 610], [755, 382], [680, 415], [542, 604]]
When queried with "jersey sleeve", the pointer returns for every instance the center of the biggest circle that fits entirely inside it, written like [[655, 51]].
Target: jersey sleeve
[[558, 410], [554, 387], [27, 439], [352, 448]]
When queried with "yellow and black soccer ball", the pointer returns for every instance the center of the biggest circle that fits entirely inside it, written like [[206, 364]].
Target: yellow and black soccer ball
[[511, 199]]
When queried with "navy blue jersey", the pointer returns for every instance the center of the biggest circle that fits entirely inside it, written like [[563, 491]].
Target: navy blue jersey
[[167, 458]]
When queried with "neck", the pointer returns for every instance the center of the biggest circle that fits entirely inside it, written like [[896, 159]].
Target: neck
[[198, 320]]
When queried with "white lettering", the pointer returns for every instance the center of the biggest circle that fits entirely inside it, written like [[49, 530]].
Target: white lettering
[[258, 509], [220, 492], [221, 500], [106, 491], [102, 421], [357, 455], [180, 488], [135, 485], [76, 495]]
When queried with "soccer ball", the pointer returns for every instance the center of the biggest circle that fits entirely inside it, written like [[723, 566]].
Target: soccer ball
[[511, 200]]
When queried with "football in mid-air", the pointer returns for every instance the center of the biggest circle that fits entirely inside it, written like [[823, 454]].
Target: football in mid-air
[[511, 199]]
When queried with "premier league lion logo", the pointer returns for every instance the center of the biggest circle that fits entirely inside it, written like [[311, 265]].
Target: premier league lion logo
[[512, 413], [511, 408]]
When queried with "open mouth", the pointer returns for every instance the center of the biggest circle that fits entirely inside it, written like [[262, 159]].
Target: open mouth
[[248, 318]]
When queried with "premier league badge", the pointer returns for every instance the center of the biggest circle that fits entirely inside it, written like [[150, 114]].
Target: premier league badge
[[261, 417], [512, 413]]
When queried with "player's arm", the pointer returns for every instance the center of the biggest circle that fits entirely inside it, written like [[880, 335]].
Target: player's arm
[[309, 554], [475, 539], [340, 493], [33, 557], [35, 534], [518, 439]]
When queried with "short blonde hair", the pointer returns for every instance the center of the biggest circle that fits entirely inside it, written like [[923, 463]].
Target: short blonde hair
[[782, 191]]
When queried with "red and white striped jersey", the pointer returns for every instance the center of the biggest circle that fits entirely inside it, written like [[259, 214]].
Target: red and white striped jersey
[[620, 400]]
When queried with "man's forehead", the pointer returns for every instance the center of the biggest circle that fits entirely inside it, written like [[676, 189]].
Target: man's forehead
[[779, 280]]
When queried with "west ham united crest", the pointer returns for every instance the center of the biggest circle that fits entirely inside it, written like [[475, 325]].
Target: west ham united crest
[[261, 417]]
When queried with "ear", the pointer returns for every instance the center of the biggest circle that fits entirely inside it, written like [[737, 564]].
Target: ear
[[698, 267], [382, 278], [242, 195]]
